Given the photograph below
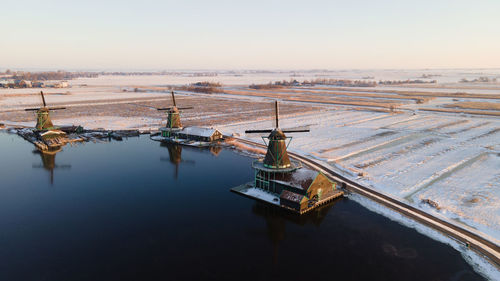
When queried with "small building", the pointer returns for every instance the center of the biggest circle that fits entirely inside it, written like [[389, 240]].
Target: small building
[[6, 83], [37, 84], [23, 83], [198, 134], [63, 84], [59, 84], [298, 190]]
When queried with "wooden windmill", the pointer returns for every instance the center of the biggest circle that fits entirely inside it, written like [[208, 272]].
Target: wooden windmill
[[277, 156], [43, 121], [174, 118], [284, 181]]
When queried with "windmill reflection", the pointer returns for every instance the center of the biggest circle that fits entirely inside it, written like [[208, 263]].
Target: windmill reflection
[[49, 162], [215, 150], [175, 156], [276, 219]]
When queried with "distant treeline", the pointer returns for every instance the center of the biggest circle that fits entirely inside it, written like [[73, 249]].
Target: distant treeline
[[149, 73], [427, 76], [482, 79], [67, 75], [270, 85], [401, 82], [318, 81], [48, 75], [335, 82], [340, 82], [203, 87]]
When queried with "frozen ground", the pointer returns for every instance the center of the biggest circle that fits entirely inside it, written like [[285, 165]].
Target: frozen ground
[[449, 158]]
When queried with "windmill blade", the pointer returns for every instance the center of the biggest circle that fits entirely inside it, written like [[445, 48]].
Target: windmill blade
[[173, 98], [296, 131], [184, 108], [257, 131], [57, 108], [277, 112], [43, 99], [163, 108], [31, 109], [301, 129]]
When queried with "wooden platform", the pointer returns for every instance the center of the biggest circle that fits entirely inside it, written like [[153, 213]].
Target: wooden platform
[[334, 195], [244, 188]]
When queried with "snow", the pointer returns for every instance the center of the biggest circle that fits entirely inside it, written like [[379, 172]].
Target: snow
[[304, 174], [262, 195], [470, 194], [198, 131]]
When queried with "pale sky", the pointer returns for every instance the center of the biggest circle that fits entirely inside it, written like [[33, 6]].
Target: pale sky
[[157, 35]]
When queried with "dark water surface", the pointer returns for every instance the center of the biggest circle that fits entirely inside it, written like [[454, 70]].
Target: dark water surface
[[118, 211]]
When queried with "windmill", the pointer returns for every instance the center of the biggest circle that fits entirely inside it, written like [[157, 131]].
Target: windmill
[[276, 155], [43, 121], [51, 138], [281, 180], [175, 156], [174, 118], [49, 162]]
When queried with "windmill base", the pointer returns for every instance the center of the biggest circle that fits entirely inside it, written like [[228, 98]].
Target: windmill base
[[250, 191]]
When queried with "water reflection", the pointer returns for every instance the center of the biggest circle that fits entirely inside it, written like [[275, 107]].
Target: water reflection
[[276, 219], [49, 162], [175, 157], [175, 154], [215, 150]]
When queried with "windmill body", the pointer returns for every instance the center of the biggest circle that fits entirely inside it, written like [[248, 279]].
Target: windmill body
[[173, 119], [43, 121], [277, 156]]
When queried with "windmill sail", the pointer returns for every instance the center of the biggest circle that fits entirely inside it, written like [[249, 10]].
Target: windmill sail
[[276, 125], [43, 99], [173, 99]]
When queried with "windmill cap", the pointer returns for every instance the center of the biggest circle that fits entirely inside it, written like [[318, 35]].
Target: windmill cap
[[277, 134]]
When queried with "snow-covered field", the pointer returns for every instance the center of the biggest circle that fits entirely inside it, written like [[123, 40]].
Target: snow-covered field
[[451, 159]]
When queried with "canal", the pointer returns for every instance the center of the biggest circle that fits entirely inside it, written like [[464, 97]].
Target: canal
[[139, 210]]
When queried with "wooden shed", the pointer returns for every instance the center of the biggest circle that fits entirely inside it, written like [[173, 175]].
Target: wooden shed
[[298, 190], [304, 188], [199, 134]]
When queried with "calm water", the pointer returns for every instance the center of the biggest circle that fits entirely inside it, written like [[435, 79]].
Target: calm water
[[136, 210]]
